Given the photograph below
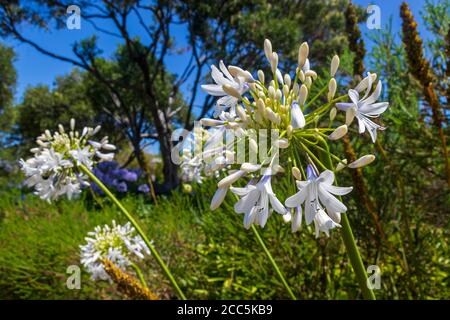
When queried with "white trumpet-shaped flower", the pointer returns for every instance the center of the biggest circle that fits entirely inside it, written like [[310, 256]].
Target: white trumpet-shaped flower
[[315, 194], [222, 78], [365, 108], [255, 201], [119, 244]]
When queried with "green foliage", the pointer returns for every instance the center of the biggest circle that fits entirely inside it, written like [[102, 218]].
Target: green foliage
[[210, 254]]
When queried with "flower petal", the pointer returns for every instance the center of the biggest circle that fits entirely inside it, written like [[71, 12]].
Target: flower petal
[[297, 199], [331, 202], [276, 204], [339, 191], [213, 89]]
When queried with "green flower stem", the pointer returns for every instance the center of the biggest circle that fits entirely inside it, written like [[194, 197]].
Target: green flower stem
[[138, 229], [274, 264], [350, 244], [139, 274]]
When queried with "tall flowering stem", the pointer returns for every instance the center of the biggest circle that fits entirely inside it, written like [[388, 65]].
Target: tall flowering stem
[[350, 243], [137, 227], [274, 264]]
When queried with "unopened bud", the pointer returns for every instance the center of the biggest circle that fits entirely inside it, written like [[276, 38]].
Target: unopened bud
[[268, 49], [361, 162], [338, 133], [334, 65], [231, 91], [303, 95], [331, 89], [261, 76], [303, 54]]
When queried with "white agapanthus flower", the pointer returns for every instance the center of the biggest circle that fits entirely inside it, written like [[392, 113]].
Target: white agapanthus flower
[[256, 200], [119, 244], [365, 108], [223, 77], [191, 168], [316, 193], [52, 171]]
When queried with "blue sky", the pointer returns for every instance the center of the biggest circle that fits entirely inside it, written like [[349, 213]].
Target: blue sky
[[35, 68]]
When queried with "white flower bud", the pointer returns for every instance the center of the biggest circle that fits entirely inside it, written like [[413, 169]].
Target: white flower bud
[[278, 169], [333, 113], [241, 113], [301, 76], [361, 162], [253, 145], [218, 198], [303, 95], [338, 133], [274, 62], [272, 92], [261, 95], [282, 143], [311, 73], [303, 54], [296, 89], [308, 82], [268, 49], [231, 91], [61, 128], [287, 80], [334, 65], [261, 107], [261, 76], [250, 167], [278, 94], [207, 122], [286, 90], [72, 124], [109, 147], [331, 89], [341, 165], [236, 71], [296, 173], [289, 130], [279, 77]]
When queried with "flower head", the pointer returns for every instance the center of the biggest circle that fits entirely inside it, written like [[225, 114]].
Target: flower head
[[52, 170], [119, 244]]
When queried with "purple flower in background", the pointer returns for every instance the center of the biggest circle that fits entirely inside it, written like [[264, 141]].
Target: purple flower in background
[[144, 188], [129, 176], [107, 165], [122, 187], [118, 179]]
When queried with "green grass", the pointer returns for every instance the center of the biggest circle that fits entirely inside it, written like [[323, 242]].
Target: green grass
[[210, 253]]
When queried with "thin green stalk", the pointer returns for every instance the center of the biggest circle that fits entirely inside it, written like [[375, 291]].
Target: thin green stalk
[[350, 244], [139, 274], [138, 229], [274, 264]]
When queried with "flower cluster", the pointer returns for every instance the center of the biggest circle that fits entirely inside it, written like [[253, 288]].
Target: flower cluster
[[248, 105], [119, 179], [53, 169], [119, 244]]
